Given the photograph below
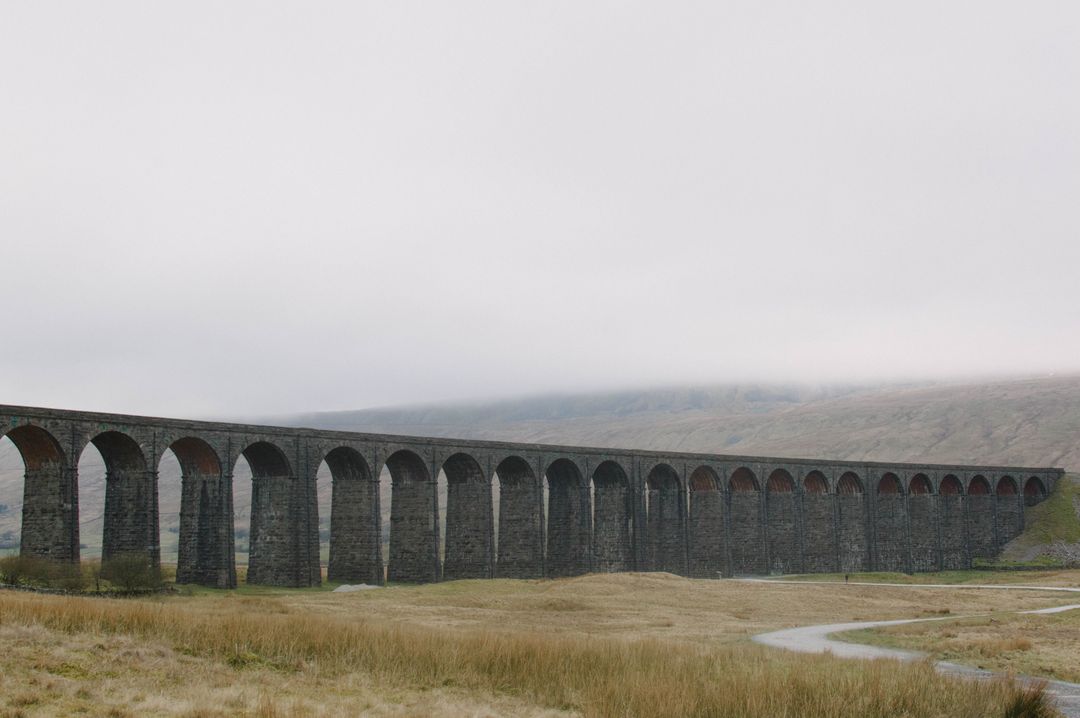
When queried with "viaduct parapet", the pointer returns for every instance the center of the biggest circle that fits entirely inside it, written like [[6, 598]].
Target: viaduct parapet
[[562, 510]]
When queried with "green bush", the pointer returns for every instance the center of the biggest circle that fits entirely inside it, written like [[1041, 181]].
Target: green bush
[[41, 573], [131, 572]]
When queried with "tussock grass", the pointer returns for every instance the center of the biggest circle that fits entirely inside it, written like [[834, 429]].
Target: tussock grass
[[597, 677]]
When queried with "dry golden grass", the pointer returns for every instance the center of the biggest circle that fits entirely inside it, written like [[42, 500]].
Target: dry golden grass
[[1047, 645], [630, 644]]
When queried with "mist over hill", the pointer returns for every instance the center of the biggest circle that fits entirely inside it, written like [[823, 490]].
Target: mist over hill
[[1032, 421], [1025, 421]]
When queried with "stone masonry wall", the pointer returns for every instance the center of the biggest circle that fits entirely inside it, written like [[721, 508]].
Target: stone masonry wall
[[783, 533], [954, 552], [980, 526], [611, 527], [747, 541], [890, 534], [922, 515], [706, 534], [819, 533], [521, 546], [851, 533]]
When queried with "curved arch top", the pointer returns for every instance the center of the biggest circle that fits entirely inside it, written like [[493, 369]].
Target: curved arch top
[[196, 456], [266, 459], [815, 483], [951, 486], [919, 485], [346, 463], [978, 486], [662, 477], [36, 445], [889, 484], [849, 484], [119, 451], [704, 478], [780, 482], [742, 480], [1006, 486]]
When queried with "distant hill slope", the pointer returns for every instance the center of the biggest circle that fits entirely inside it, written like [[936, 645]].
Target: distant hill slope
[[1029, 422]]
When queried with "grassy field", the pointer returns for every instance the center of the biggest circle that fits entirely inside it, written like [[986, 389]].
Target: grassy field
[[629, 644], [1046, 646], [1043, 577]]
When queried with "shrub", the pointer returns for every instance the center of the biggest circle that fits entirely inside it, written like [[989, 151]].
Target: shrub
[[131, 572], [41, 572]]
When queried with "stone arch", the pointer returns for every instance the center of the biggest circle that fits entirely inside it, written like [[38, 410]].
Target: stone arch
[[851, 523], [205, 551], [743, 480], [414, 538], [781, 526], [50, 510], [469, 548], [703, 478], [890, 485], [951, 486], [920, 485], [664, 548], [815, 483], [1034, 491], [705, 549], [978, 486], [568, 525], [275, 505], [355, 524], [747, 526], [131, 505], [520, 549], [611, 518], [1006, 486], [849, 484]]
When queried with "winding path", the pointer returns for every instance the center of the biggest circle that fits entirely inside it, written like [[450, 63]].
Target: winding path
[[816, 639]]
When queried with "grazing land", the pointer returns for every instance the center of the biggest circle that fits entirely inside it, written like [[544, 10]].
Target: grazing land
[[1047, 645], [627, 644]]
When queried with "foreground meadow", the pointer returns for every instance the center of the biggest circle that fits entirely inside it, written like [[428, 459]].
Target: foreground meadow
[[630, 644]]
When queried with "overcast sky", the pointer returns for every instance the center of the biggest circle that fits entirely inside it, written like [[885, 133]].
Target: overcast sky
[[243, 208]]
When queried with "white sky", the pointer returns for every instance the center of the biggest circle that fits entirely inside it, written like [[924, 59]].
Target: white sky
[[241, 208]]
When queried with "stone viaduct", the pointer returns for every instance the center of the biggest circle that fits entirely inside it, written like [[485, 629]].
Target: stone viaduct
[[561, 510]]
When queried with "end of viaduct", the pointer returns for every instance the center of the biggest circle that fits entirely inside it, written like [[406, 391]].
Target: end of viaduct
[[562, 510]]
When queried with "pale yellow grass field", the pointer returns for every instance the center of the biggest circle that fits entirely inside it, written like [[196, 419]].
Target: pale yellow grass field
[[598, 645]]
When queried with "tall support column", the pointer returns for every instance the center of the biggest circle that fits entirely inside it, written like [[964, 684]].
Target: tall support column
[[468, 520], [205, 551], [131, 515], [521, 519], [50, 513]]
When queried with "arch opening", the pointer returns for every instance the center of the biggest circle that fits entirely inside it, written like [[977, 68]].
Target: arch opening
[[1006, 486], [951, 486], [203, 547], [979, 486], [780, 482], [742, 480], [815, 483], [920, 485], [704, 478], [849, 484], [1034, 491], [889, 485]]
